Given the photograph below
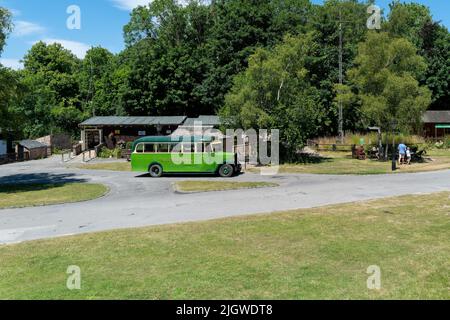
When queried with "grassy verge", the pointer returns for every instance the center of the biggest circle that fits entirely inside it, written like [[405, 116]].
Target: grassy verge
[[26, 195], [342, 163], [111, 166], [202, 185], [303, 254]]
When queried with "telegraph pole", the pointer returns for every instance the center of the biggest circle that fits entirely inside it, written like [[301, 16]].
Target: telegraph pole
[[341, 81]]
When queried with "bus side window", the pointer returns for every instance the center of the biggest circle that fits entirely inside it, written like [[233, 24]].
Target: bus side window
[[188, 147], [199, 148], [209, 148], [140, 148], [175, 147], [163, 148], [149, 148]]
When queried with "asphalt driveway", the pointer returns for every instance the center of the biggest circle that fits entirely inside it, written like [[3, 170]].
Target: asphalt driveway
[[136, 201]]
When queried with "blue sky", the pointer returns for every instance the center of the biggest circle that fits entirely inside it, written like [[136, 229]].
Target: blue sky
[[101, 24]]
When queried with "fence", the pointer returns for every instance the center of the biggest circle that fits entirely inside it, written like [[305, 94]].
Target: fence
[[14, 157]]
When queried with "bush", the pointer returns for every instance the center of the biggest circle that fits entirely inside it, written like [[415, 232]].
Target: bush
[[109, 153]]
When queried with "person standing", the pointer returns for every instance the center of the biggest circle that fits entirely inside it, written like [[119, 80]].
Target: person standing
[[408, 155], [402, 153]]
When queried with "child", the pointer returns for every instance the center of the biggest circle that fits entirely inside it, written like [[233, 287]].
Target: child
[[408, 155]]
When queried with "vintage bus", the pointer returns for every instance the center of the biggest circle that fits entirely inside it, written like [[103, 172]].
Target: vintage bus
[[195, 154]]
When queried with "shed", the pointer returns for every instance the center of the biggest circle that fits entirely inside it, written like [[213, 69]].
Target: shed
[[30, 150], [112, 129], [437, 123]]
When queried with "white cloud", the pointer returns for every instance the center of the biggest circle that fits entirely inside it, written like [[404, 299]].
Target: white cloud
[[12, 63], [25, 28], [78, 48], [130, 4]]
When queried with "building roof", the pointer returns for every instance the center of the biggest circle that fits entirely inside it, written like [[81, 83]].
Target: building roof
[[442, 116], [31, 144], [205, 121], [133, 121]]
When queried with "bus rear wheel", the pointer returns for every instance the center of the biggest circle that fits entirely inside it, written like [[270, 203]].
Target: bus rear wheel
[[226, 170], [155, 171]]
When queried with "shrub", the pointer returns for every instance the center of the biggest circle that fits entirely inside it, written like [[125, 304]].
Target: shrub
[[109, 153]]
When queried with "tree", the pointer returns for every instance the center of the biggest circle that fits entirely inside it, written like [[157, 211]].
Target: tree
[[414, 22], [325, 69], [51, 101], [8, 78], [385, 82], [239, 28], [166, 58], [275, 92], [5, 26], [98, 88]]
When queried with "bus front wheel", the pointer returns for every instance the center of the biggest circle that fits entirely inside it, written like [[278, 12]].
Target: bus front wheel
[[226, 170], [155, 171]]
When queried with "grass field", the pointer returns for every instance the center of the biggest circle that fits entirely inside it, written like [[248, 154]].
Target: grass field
[[342, 163], [111, 166], [202, 185], [319, 253], [26, 195]]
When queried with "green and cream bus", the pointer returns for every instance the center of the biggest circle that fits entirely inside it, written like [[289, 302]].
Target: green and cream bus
[[195, 154]]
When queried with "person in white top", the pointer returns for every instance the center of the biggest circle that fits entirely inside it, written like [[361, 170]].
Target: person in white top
[[408, 155]]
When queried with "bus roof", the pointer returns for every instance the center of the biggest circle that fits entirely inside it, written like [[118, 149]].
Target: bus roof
[[173, 139]]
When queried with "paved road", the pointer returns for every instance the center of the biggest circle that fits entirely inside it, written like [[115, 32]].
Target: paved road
[[141, 201]]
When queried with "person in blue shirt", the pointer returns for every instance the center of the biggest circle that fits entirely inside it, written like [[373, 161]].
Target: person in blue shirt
[[402, 153]]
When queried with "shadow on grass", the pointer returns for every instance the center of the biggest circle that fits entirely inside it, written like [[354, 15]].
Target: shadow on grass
[[36, 181], [309, 159]]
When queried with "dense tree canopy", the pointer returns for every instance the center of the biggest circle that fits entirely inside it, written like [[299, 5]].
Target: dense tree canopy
[[232, 57], [7, 78], [5, 26], [414, 22], [385, 82], [275, 92], [51, 100]]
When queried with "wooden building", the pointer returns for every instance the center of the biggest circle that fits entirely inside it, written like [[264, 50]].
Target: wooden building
[[436, 123], [30, 150], [111, 130]]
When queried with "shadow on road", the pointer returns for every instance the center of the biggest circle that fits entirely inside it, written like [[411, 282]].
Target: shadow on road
[[38, 178], [186, 175]]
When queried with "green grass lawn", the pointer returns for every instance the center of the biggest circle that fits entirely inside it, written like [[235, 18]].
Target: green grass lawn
[[111, 166], [302, 254], [342, 163], [26, 195], [202, 185]]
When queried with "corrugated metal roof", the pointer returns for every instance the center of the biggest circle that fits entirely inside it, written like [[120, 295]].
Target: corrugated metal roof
[[437, 116], [31, 144], [205, 120], [133, 121]]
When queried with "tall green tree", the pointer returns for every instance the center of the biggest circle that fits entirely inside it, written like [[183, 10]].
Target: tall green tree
[[385, 82], [52, 100], [276, 92], [8, 81], [98, 86], [5, 26], [239, 28], [414, 22], [324, 71], [166, 57]]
